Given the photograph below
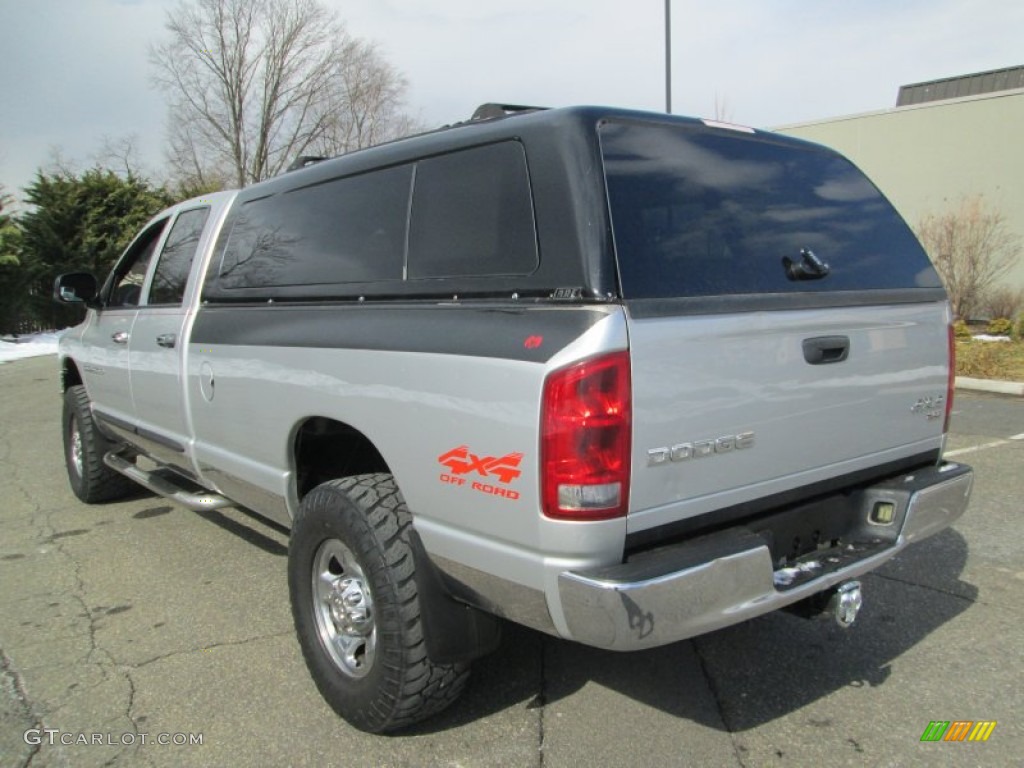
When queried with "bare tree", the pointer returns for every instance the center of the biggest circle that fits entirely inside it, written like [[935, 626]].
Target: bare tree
[[366, 99], [1004, 302], [971, 247], [59, 164], [255, 83], [120, 155]]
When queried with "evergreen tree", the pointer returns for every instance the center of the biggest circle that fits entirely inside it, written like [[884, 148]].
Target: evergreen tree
[[78, 222]]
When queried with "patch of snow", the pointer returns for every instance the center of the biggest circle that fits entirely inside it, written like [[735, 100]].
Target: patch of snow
[[989, 337], [35, 345]]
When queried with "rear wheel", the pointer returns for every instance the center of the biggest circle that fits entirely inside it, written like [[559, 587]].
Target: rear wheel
[[357, 610], [84, 448]]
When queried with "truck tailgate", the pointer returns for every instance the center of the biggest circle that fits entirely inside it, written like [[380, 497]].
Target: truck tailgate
[[728, 408]]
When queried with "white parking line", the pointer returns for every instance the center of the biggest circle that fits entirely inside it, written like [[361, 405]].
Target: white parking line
[[982, 447]]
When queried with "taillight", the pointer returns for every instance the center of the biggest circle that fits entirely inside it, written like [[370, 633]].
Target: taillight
[[585, 439], [951, 378]]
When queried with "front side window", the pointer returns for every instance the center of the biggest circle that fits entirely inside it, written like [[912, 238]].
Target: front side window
[[130, 273], [175, 263]]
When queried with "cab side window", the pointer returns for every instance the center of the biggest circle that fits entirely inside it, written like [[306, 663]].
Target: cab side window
[[130, 273], [175, 261]]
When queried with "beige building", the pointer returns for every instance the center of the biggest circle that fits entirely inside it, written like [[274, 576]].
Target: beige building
[[926, 157]]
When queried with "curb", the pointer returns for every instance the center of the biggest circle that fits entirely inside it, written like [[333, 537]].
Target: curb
[[987, 385]]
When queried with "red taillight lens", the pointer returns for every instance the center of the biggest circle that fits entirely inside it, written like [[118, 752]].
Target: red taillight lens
[[585, 439], [951, 380]]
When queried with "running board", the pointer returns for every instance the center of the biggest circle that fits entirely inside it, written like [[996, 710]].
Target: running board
[[161, 486]]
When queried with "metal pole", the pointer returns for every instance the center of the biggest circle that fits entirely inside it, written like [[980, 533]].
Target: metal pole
[[668, 56]]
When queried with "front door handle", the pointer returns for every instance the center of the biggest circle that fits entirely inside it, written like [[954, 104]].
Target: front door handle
[[167, 340], [121, 337]]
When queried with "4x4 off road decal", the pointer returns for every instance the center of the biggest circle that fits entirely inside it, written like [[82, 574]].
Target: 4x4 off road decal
[[464, 467]]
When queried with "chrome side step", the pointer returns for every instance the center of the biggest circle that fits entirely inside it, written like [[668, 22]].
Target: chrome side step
[[161, 486]]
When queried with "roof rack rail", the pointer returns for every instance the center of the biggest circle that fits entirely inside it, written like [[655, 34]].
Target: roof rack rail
[[304, 160], [491, 111]]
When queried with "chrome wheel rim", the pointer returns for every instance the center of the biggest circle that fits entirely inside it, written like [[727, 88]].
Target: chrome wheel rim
[[343, 609], [75, 440]]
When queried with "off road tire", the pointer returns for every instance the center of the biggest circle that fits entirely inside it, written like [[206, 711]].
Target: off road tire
[[357, 610], [91, 480]]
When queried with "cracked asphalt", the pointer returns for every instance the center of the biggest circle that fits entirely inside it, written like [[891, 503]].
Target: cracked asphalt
[[141, 620]]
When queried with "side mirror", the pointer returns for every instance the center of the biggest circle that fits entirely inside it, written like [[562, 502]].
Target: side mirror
[[75, 288]]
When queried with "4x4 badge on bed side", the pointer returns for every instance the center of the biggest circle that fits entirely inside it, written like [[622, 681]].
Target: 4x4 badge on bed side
[[461, 462]]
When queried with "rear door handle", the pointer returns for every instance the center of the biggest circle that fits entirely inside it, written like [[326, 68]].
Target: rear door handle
[[826, 349], [121, 337], [167, 340]]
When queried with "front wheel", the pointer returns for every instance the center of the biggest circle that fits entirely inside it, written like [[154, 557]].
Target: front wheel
[[84, 448], [357, 609]]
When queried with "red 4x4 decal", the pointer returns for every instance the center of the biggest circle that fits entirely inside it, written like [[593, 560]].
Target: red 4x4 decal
[[461, 462]]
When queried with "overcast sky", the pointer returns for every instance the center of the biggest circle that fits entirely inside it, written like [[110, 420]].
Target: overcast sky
[[76, 71]]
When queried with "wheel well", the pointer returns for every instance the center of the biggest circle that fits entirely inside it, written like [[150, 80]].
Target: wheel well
[[69, 375], [325, 449]]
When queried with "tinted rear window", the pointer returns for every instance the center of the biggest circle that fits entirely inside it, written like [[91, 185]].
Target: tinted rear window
[[700, 212]]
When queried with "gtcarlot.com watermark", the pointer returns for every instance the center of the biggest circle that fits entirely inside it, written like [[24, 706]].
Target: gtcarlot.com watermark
[[52, 736]]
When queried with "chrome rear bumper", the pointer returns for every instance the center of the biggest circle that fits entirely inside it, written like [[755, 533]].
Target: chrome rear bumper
[[727, 577]]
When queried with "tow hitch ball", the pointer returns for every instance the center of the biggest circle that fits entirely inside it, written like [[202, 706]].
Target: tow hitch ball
[[845, 602]]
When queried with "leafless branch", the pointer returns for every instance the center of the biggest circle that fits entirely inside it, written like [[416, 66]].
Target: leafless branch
[[972, 248], [120, 155], [255, 83]]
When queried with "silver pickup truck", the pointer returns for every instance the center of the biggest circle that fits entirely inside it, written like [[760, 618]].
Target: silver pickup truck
[[620, 377]]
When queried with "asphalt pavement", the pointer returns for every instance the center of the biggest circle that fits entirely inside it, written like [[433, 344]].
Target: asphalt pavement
[[126, 625]]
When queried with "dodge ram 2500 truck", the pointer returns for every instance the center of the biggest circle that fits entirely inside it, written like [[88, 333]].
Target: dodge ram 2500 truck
[[620, 377]]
